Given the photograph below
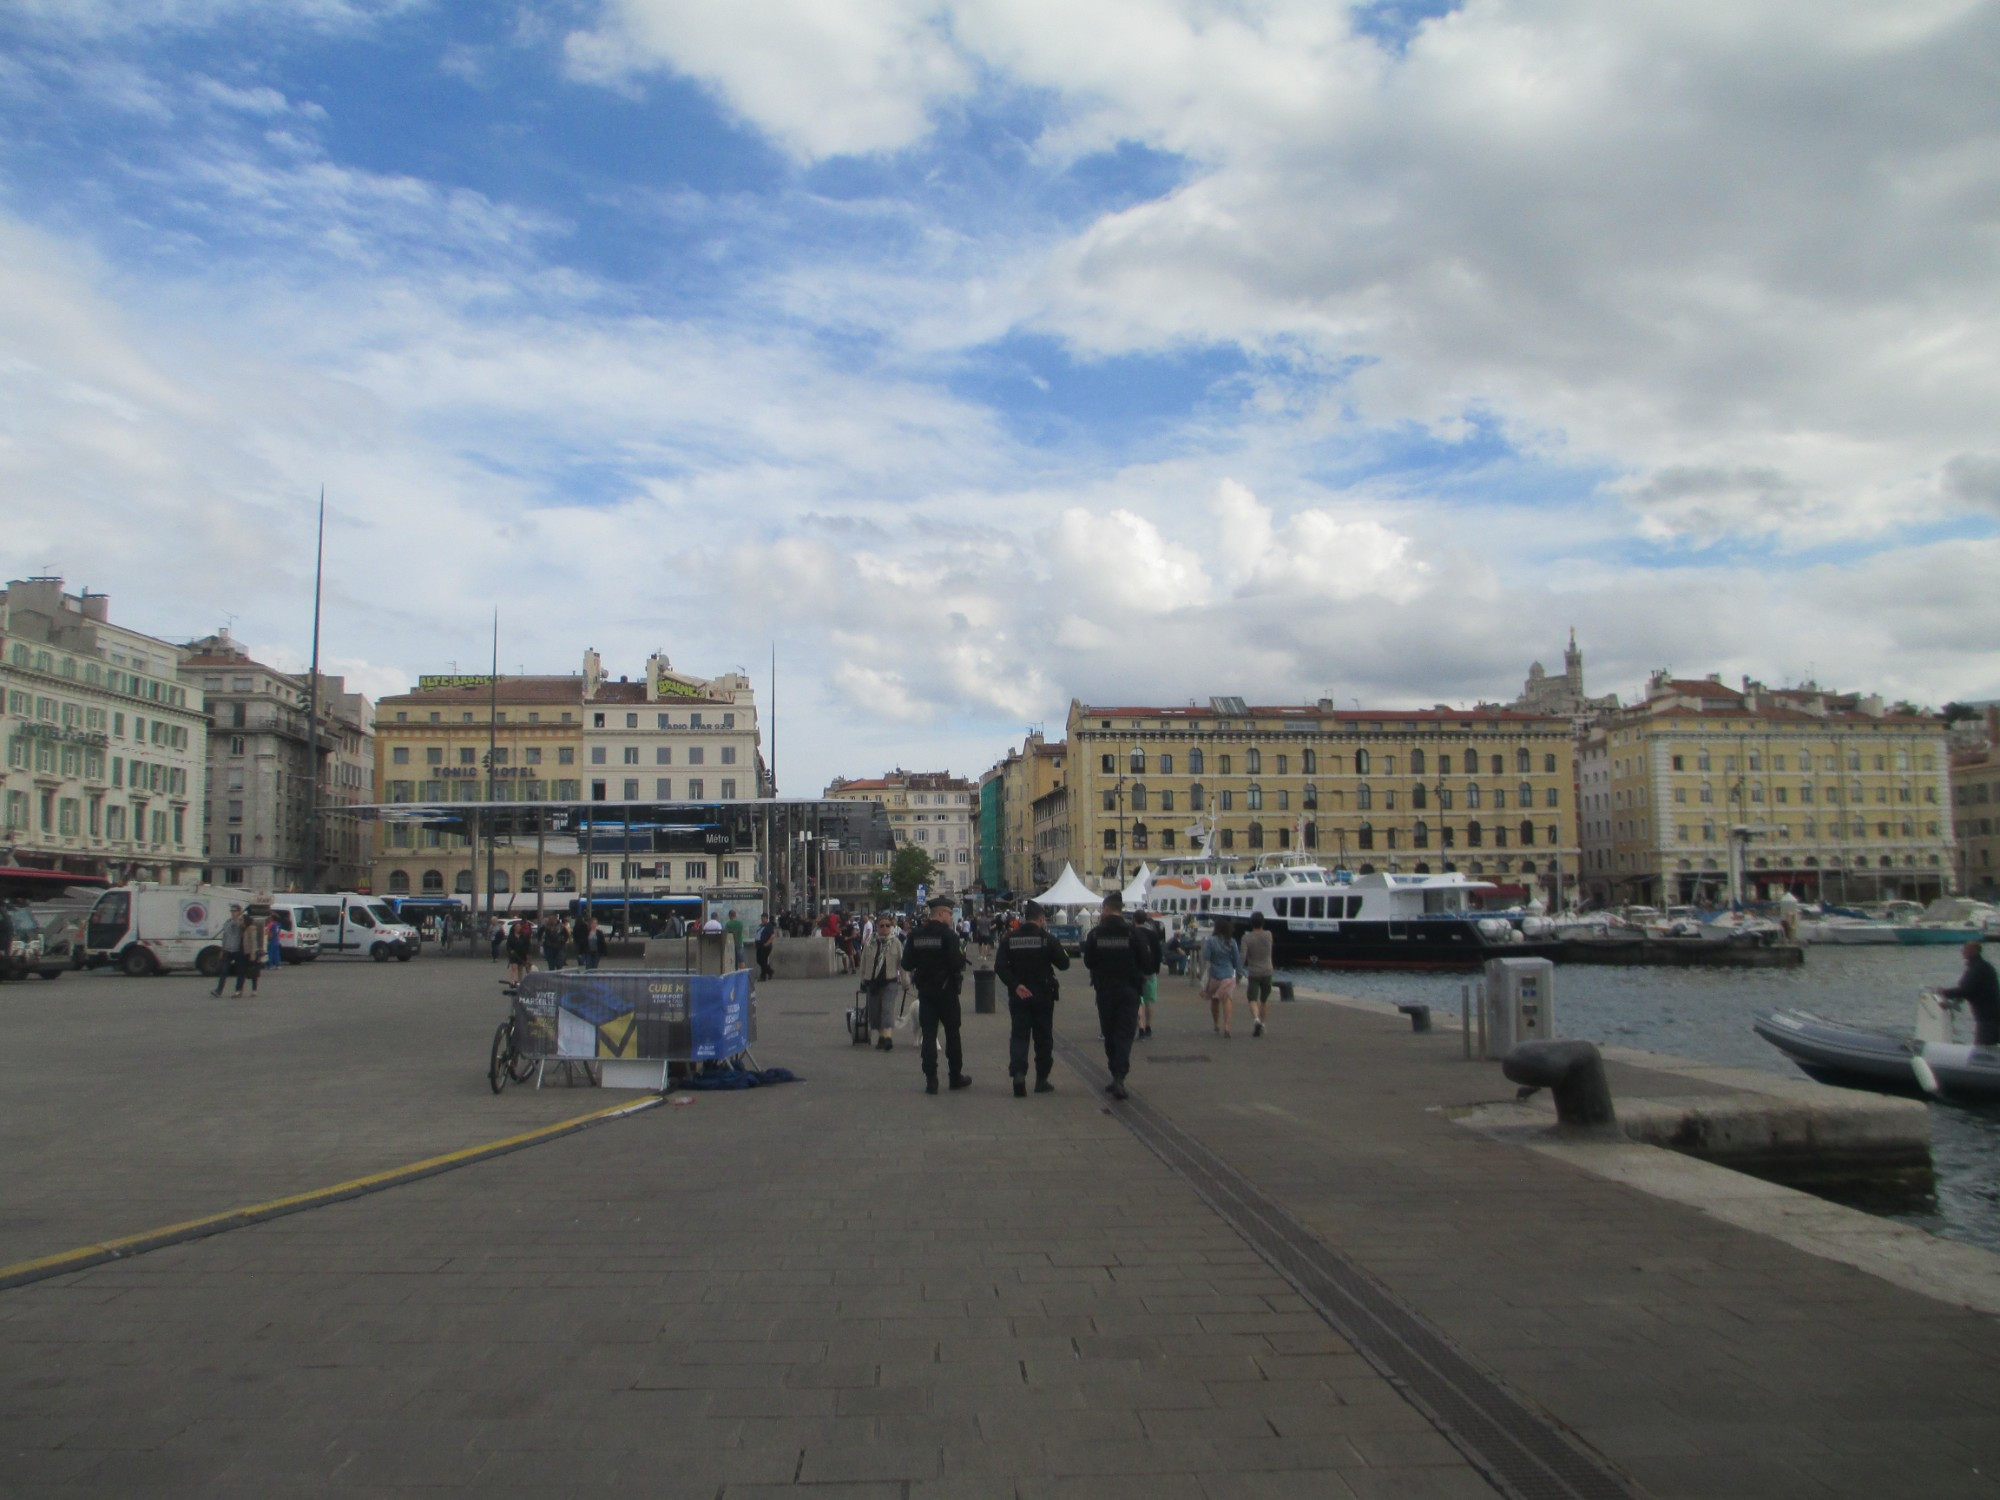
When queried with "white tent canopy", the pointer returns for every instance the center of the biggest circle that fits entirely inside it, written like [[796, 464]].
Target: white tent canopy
[[1069, 891], [1135, 893]]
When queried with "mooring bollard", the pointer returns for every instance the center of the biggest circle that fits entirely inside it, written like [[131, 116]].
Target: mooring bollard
[[1572, 1071], [1284, 989], [1419, 1014]]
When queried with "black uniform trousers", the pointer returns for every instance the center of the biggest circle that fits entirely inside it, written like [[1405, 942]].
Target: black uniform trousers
[[1118, 1018], [1036, 1018], [933, 1011]]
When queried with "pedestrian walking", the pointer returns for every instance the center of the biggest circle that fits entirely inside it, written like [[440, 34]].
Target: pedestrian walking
[[936, 961], [733, 930], [1115, 956], [881, 981], [1025, 962], [1222, 962], [1147, 928], [1257, 970], [498, 936], [520, 941], [232, 950], [554, 939], [767, 939], [274, 951], [257, 927]]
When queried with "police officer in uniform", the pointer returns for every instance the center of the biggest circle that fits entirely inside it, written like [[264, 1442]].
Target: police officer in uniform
[[936, 962], [1026, 964], [1116, 955]]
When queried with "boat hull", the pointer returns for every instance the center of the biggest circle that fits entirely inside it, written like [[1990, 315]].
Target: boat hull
[[1425, 945], [1936, 937], [1857, 1057]]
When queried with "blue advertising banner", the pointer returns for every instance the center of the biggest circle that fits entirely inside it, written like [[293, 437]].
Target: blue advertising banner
[[635, 1014]]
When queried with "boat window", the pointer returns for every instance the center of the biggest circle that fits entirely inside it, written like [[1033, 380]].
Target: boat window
[[1316, 906]]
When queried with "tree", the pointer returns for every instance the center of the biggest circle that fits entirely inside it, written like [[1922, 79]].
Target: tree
[[909, 869], [1951, 713]]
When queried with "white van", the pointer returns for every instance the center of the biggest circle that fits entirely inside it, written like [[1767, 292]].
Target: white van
[[297, 921], [350, 923], [155, 929]]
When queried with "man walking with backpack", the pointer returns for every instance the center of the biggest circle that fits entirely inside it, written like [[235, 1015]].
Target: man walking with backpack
[[1117, 956], [936, 961]]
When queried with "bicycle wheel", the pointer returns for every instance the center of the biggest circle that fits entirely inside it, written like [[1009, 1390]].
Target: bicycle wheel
[[520, 1066], [498, 1062]]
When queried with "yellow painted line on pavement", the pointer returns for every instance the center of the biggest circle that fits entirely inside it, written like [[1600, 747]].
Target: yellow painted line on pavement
[[85, 1256]]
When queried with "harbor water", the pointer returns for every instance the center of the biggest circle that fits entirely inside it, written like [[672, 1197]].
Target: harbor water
[[1705, 1014]]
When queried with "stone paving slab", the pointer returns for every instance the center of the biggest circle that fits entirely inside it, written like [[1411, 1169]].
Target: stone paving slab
[[841, 1287]]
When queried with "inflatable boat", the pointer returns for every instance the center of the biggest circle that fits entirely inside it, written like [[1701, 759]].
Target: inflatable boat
[[1928, 1064]]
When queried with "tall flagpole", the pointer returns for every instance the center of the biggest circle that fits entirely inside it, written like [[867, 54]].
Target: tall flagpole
[[312, 710], [492, 744]]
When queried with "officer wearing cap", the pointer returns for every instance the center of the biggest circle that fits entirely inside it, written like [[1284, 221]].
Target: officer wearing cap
[[1026, 963], [1116, 956], [936, 962]]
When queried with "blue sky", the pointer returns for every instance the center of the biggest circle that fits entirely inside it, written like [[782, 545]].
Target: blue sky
[[979, 356]]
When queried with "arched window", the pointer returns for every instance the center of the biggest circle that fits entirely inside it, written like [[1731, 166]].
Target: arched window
[[1365, 797], [1361, 763], [1227, 838], [565, 879], [462, 882], [1138, 762], [1416, 762], [1420, 836], [1419, 796], [1194, 762], [1444, 763], [1472, 794], [1197, 798], [1256, 835], [1138, 835], [1253, 761], [1527, 832], [1309, 762], [1366, 838], [1311, 797], [1138, 796], [531, 880], [1472, 762], [1166, 765], [1522, 760], [500, 882], [399, 882], [433, 882], [1256, 798], [1527, 795], [1474, 835]]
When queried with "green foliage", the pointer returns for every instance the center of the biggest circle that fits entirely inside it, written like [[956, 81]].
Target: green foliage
[[909, 869]]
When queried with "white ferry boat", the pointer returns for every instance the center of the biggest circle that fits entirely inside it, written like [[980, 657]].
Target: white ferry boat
[[1321, 918]]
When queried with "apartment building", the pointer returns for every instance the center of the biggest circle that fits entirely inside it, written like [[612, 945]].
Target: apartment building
[[105, 748], [669, 737], [1975, 805], [1823, 794], [1488, 791], [1008, 793], [933, 810]]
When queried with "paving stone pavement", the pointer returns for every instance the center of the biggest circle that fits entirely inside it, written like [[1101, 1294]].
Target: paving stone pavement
[[846, 1288], [841, 1287]]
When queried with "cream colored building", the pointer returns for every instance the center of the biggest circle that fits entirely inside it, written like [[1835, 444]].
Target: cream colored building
[[1830, 794], [1488, 791], [935, 811], [105, 748], [669, 737], [1975, 805]]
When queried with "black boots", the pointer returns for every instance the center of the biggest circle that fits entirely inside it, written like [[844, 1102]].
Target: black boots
[[1043, 1086], [1116, 1089], [960, 1081], [1020, 1086]]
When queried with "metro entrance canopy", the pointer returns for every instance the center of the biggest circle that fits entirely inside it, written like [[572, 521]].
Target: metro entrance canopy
[[771, 831]]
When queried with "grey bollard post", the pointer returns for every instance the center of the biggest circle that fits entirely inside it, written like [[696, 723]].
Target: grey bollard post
[[1572, 1071], [984, 986]]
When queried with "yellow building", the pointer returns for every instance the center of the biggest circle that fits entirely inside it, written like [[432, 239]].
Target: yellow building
[[1489, 792], [1830, 795], [1008, 794], [432, 746], [1975, 801]]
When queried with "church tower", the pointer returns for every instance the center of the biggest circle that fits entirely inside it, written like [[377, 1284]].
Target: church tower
[[1573, 667]]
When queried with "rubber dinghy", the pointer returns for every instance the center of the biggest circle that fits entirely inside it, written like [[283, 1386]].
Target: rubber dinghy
[[1864, 1057]]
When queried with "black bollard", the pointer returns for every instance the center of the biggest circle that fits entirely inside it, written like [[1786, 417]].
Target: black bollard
[[1572, 1071]]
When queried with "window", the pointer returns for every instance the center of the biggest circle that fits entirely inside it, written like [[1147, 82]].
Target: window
[[236, 841], [694, 755], [466, 756], [1111, 801], [1111, 838], [694, 721], [1549, 765], [1361, 768], [1527, 795], [1166, 801], [434, 755], [1527, 832], [1197, 799], [566, 755], [1553, 797], [1138, 796], [1366, 837], [631, 755], [664, 789], [1166, 765], [599, 754], [1256, 835], [1472, 794], [1365, 797], [1256, 799], [728, 789], [1222, 765], [695, 793], [1416, 762], [729, 755], [631, 789], [1138, 762], [1419, 796], [433, 882], [1253, 761], [1474, 834], [597, 791], [1195, 765], [1420, 836], [1309, 762]]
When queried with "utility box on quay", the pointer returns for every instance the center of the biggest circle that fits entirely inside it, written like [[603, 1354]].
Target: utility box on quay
[[1520, 1002]]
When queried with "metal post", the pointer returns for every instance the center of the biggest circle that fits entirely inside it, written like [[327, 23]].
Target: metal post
[[311, 881], [1465, 1018], [626, 866], [541, 858], [492, 745]]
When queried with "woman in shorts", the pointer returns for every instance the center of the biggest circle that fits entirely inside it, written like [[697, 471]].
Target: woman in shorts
[[1222, 961]]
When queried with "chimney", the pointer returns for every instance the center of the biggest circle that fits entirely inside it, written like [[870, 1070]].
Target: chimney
[[95, 606]]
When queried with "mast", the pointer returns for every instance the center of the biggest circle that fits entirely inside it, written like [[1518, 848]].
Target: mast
[[492, 745], [311, 871]]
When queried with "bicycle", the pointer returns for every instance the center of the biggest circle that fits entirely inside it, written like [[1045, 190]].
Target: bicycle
[[507, 1061]]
